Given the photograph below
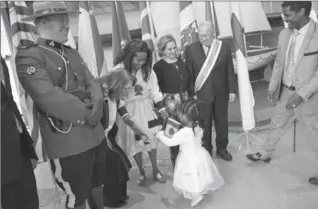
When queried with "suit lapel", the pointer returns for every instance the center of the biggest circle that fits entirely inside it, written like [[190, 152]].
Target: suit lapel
[[8, 91], [305, 44], [200, 49], [285, 44]]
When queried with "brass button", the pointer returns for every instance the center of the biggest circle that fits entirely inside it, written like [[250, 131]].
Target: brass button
[[59, 68]]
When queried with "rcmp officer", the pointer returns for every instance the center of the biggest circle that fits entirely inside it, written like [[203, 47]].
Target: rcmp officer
[[60, 85]]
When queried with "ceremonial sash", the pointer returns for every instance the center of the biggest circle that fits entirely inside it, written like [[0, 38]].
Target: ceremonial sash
[[208, 64]]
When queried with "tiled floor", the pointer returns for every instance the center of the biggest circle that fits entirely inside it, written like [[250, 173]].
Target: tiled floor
[[282, 184]]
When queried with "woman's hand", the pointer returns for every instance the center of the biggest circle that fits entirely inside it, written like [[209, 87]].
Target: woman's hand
[[104, 86], [163, 113], [159, 134], [145, 139]]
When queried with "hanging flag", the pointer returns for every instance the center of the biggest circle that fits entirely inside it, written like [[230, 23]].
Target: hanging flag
[[121, 34], [89, 42], [164, 12], [285, 23], [188, 24], [246, 96], [211, 16], [145, 26], [70, 40], [147, 29], [313, 15], [25, 30], [21, 29]]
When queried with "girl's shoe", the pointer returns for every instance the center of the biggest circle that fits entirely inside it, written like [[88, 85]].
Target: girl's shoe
[[196, 200], [157, 176], [141, 179]]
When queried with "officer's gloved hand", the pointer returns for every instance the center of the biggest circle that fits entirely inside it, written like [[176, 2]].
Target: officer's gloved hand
[[96, 113]]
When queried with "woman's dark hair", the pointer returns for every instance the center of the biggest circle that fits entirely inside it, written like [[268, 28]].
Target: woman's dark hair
[[190, 109], [129, 51]]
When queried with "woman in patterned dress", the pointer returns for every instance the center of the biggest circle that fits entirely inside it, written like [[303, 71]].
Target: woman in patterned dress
[[144, 103]]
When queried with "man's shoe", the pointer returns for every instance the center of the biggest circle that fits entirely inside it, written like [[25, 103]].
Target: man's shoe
[[224, 154], [258, 157], [314, 180], [120, 204]]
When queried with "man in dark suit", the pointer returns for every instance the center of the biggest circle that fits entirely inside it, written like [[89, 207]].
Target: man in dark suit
[[18, 158], [218, 87]]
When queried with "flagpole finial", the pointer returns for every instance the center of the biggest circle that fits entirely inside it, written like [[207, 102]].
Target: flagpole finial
[[91, 7]]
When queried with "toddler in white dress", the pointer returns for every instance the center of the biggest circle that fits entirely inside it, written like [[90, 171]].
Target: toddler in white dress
[[195, 172]]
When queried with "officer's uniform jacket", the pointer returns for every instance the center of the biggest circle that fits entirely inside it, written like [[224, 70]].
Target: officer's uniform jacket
[[48, 71]]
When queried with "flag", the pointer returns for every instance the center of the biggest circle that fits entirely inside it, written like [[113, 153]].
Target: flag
[[188, 24], [121, 34], [211, 16], [246, 96], [313, 15], [70, 40], [147, 30], [285, 23], [21, 29], [26, 30], [89, 42], [164, 12]]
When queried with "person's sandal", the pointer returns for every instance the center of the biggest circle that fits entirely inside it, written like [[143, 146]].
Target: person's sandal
[[157, 176]]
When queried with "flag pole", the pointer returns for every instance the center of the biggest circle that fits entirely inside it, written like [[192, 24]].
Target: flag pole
[[245, 47], [241, 75], [244, 39], [212, 12], [152, 31]]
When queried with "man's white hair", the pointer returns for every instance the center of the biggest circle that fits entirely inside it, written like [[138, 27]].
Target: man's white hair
[[207, 24]]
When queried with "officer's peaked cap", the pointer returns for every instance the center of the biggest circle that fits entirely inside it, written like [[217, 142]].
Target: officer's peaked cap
[[46, 8]]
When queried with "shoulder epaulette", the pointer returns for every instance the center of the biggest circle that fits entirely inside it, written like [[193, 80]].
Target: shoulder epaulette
[[26, 44], [68, 47]]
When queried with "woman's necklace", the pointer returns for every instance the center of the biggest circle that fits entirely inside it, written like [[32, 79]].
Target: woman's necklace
[[134, 72], [169, 61]]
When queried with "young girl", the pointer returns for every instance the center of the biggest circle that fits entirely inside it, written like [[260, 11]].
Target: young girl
[[195, 173]]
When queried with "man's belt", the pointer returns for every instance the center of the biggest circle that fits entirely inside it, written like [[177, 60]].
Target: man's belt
[[292, 88]]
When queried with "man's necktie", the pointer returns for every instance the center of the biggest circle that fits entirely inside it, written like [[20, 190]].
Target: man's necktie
[[290, 62], [208, 51]]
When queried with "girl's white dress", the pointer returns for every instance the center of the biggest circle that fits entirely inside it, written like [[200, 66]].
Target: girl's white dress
[[195, 172], [140, 106]]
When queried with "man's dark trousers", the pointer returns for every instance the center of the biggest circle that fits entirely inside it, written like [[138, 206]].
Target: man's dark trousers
[[217, 111]]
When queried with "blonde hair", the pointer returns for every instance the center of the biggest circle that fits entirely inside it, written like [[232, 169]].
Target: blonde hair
[[116, 80], [162, 43]]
